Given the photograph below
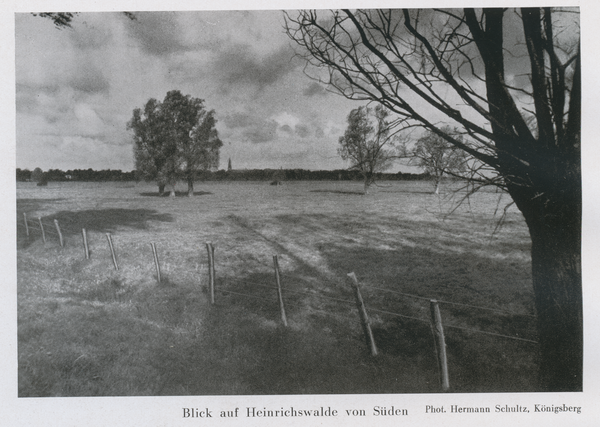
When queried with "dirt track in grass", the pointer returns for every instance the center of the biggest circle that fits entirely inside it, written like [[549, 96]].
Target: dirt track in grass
[[85, 329]]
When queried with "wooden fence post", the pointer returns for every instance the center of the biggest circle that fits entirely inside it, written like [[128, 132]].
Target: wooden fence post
[[60, 236], [440, 343], [362, 312], [211, 271], [279, 294], [156, 261], [43, 232], [26, 225], [112, 251], [86, 250]]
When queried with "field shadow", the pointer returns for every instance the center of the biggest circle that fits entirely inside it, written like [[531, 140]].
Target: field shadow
[[408, 191], [427, 260], [243, 353], [482, 356], [106, 220], [30, 205], [354, 193], [177, 194]]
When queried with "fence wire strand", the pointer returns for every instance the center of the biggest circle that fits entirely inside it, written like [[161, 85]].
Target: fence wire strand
[[491, 333], [447, 302]]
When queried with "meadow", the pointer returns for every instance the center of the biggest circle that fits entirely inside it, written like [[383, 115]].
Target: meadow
[[87, 329]]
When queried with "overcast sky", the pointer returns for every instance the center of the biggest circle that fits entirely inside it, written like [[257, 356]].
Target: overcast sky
[[76, 88]]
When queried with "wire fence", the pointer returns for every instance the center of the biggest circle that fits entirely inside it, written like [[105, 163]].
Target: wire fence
[[317, 290], [50, 230]]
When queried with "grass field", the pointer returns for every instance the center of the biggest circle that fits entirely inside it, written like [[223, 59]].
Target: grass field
[[86, 329]]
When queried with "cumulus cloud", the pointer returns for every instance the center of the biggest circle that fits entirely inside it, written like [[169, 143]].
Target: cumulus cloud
[[239, 120], [89, 35], [158, 33], [261, 132], [302, 130], [88, 121], [90, 80], [251, 127], [314, 89], [286, 118], [287, 129], [239, 65]]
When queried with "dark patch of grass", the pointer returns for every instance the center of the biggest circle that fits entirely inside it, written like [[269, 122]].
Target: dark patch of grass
[[28, 205], [406, 337], [106, 220], [177, 194], [355, 193], [77, 352], [240, 354], [479, 363]]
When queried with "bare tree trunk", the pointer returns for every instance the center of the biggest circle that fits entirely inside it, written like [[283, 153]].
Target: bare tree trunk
[[554, 223], [558, 299], [190, 191], [437, 186], [161, 189]]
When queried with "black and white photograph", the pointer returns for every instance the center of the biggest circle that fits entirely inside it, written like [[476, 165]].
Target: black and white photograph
[[286, 214]]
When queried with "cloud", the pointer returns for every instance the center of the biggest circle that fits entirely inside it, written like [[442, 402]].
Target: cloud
[[302, 130], [89, 80], [286, 118], [239, 120], [86, 34], [261, 132], [239, 65], [158, 33], [287, 129], [314, 89], [88, 121], [251, 127]]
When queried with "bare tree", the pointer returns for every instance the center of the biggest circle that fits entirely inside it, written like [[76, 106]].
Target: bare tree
[[464, 66], [368, 142], [438, 157]]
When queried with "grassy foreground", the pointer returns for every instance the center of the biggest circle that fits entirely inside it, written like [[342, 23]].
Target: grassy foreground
[[86, 329]]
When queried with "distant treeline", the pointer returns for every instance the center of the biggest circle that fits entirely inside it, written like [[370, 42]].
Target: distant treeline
[[75, 175], [221, 175]]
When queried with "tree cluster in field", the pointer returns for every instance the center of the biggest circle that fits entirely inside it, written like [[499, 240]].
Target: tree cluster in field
[[174, 140], [90, 175]]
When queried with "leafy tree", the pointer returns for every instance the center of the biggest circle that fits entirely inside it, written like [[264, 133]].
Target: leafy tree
[[154, 150], [200, 152], [364, 142], [174, 139], [64, 19], [485, 71], [23, 174], [277, 177], [438, 157], [37, 175], [60, 19]]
